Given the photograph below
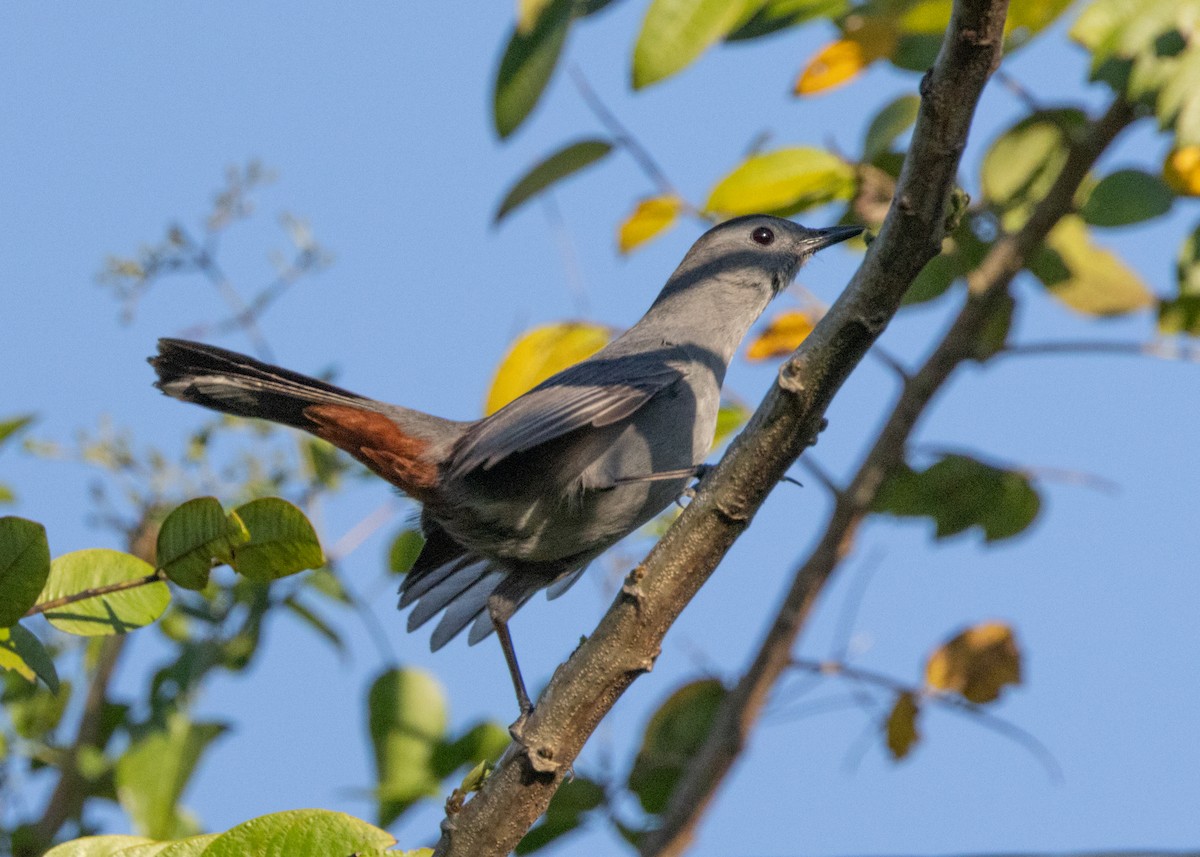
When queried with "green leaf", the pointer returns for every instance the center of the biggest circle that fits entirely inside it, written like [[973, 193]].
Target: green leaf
[[1187, 266], [573, 800], [1026, 18], [961, 252], [35, 711], [192, 536], [10, 427], [889, 123], [324, 461], [153, 773], [405, 549], [1146, 50], [149, 849], [777, 15], [1180, 315], [282, 541], [566, 161], [1127, 196], [675, 32], [107, 613], [407, 720], [96, 846], [24, 565], [958, 493], [782, 182], [193, 846], [483, 742], [527, 65], [674, 734], [300, 833], [23, 653], [730, 417], [935, 279], [1085, 277], [1023, 163], [994, 334]]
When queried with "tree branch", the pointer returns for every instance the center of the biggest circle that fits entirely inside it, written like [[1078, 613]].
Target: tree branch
[[628, 638], [66, 801], [987, 291]]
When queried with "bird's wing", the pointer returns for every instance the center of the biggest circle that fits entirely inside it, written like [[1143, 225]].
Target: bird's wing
[[597, 392]]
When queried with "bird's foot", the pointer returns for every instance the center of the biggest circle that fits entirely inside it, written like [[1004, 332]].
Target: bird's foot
[[700, 471]]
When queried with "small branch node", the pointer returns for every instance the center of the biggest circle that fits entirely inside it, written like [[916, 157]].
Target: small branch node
[[632, 590], [541, 761]]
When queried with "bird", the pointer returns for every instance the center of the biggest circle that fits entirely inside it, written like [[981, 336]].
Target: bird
[[525, 498]]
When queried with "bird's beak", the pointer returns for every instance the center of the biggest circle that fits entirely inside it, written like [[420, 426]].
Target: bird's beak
[[819, 239]]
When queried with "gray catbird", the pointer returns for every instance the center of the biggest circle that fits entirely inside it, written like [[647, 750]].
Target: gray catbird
[[527, 497]]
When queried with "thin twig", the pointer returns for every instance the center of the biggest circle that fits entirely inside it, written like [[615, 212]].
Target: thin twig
[[1019, 89], [821, 475], [951, 701], [1059, 474], [570, 257], [853, 602], [95, 592], [890, 361], [626, 140], [1187, 352], [353, 538]]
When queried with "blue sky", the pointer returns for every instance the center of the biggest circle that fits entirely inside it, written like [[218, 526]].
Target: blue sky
[[375, 117]]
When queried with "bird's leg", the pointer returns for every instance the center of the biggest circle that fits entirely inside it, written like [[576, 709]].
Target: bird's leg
[[698, 473], [500, 608]]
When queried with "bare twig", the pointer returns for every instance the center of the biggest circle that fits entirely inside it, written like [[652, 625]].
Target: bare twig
[[629, 637], [625, 139], [949, 701], [1186, 352]]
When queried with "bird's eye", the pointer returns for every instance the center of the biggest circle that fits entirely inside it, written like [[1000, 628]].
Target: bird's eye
[[762, 235]]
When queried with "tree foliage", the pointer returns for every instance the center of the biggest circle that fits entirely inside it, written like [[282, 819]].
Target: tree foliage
[[209, 563]]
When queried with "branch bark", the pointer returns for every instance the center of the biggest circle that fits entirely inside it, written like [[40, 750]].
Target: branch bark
[[987, 291], [70, 792], [628, 638]]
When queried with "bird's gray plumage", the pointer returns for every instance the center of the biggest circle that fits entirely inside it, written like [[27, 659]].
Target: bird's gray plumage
[[525, 498]]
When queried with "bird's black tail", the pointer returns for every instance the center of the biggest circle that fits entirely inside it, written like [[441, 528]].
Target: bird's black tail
[[236, 384]]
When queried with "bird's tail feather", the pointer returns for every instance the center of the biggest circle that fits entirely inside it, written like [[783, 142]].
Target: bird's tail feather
[[242, 386]]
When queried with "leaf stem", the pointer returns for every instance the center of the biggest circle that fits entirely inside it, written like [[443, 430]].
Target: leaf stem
[[95, 592]]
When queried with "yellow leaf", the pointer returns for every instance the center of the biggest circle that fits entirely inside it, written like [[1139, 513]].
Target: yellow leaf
[[866, 39], [781, 336], [651, 217], [837, 63], [902, 731], [1181, 170], [1086, 277], [977, 663], [538, 354], [782, 182]]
